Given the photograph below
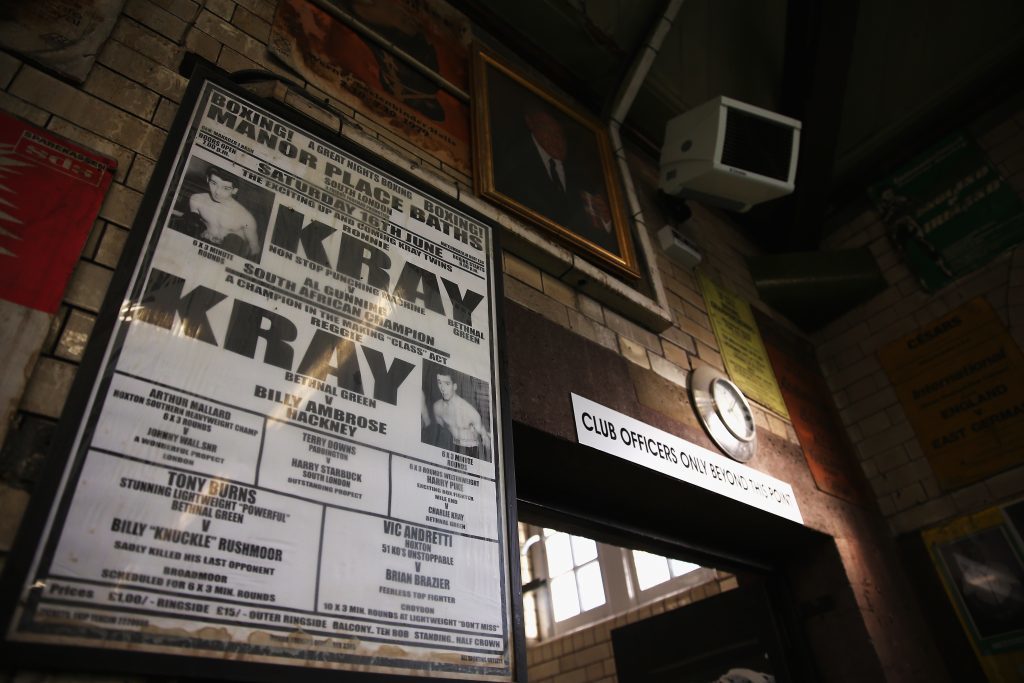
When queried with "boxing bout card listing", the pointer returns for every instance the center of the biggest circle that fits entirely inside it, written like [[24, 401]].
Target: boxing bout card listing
[[295, 427]]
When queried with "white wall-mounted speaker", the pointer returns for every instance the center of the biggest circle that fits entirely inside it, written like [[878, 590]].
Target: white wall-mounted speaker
[[730, 154]]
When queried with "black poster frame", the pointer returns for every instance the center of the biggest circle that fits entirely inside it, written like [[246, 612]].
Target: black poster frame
[[63, 463]]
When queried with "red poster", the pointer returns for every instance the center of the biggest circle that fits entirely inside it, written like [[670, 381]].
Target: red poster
[[829, 455], [50, 193]]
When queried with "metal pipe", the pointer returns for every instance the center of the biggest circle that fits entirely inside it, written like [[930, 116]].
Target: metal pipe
[[642, 63], [620, 108]]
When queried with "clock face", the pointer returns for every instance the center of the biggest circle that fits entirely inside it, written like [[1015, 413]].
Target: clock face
[[733, 409], [724, 413]]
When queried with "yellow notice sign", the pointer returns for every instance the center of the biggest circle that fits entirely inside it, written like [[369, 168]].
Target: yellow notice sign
[[961, 383], [740, 344]]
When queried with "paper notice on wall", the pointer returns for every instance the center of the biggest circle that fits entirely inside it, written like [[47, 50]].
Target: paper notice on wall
[[625, 437], [960, 380], [296, 425], [948, 211], [50, 193], [739, 342]]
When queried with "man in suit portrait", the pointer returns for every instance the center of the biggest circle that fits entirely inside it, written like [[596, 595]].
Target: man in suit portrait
[[537, 171], [539, 165]]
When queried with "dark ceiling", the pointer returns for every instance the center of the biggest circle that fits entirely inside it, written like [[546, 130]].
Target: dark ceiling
[[873, 81]]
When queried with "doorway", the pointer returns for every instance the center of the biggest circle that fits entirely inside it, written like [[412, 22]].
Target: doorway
[[727, 638]]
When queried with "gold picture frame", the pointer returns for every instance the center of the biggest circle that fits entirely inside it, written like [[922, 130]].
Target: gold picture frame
[[550, 164]]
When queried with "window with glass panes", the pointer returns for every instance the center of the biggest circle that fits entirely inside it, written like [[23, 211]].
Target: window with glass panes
[[653, 570], [526, 574], [571, 581], [574, 574]]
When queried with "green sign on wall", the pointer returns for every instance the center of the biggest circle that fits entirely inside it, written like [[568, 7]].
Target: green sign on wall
[[949, 212]]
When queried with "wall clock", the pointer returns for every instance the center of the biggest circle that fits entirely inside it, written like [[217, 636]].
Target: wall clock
[[724, 413]]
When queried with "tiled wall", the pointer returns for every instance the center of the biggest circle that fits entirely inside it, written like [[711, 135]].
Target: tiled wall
[[906, 488]]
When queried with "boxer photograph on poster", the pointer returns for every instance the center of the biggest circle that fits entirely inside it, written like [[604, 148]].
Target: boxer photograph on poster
[[216, 206], [455, 411]]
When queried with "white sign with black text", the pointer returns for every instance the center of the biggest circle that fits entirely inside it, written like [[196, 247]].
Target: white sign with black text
[[612, 432], [292, 452]]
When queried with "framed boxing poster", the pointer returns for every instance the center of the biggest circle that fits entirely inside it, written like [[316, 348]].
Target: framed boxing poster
[[289, 447]]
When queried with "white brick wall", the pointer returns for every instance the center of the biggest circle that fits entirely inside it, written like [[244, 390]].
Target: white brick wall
[[907, 491]]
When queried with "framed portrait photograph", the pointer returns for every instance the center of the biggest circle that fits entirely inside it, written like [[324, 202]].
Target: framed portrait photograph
[[550, 164], [987, 578], [979, 560]]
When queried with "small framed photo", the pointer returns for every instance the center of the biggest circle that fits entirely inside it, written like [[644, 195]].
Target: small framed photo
[[985, 574], [550, 164]]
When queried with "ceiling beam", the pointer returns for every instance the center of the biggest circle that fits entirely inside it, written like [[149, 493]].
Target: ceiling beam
[[818, 51]]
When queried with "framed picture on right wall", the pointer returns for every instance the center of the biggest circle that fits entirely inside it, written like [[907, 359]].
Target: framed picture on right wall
[[980, 562]]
